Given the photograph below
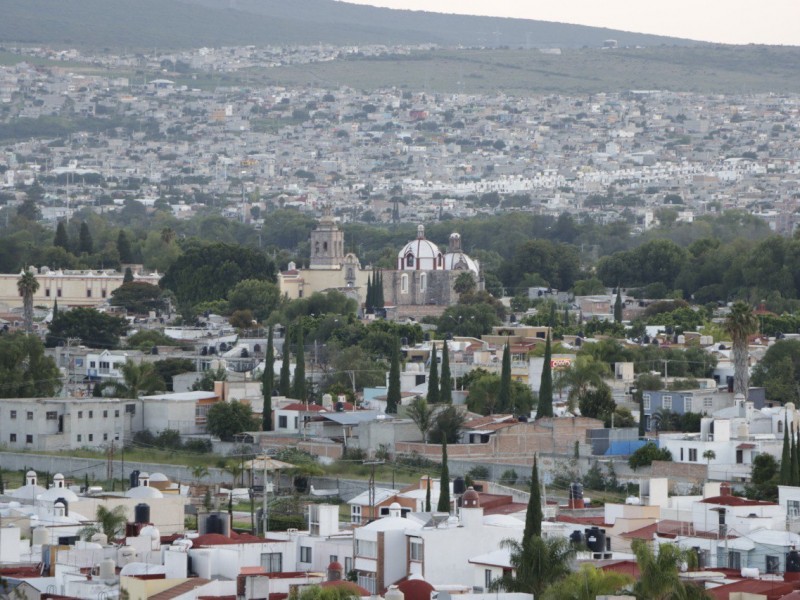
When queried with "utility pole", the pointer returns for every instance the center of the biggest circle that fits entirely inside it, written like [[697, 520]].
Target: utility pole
[[372, 464]]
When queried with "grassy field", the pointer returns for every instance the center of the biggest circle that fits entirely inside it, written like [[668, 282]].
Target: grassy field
[[710, 69]]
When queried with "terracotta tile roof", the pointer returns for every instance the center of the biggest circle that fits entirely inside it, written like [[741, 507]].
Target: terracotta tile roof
[[735, 501], [180, 589], [773, 590]]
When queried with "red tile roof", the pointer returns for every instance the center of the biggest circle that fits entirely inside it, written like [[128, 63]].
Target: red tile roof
[[773, 590], [735, 501]]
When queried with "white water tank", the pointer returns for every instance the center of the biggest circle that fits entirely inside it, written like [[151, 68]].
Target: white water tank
[[750, 572], [394, 593], [108, 569], [100, 538]]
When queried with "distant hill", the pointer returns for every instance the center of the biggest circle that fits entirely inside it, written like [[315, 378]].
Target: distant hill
[[194, 23]]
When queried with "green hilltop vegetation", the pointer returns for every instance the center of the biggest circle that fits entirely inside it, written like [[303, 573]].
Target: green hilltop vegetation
[[194, 23]]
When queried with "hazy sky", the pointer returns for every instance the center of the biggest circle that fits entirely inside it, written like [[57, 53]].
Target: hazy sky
[[728, 21]]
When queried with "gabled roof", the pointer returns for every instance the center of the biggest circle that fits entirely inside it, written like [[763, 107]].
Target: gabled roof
[[180, 589]]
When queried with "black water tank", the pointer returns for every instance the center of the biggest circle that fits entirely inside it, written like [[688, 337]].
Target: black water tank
[[459, 487], [141, 513], [134, 478], [213, 524], [793, 562], [478, 487], [596, 539], [576, 537], [575, 491]]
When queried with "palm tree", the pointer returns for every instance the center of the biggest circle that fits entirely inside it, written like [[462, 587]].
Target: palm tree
[[235, 470], [27, 286], [537, 563], [111, 522], [659, 574], [199, 472], [138, 379], [584, 374], [587, 584], [709, 455], [740, 324]]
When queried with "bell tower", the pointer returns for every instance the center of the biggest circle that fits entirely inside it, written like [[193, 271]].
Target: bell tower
[[327, 244]]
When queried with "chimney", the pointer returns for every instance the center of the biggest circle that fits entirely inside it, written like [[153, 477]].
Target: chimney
[[725, 489]]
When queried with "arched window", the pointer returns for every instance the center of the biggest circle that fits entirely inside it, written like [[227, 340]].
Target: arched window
[[440, 261], [409, 260], [780, 426], [350, 273], [423, 280], [316, 247], [404, 284], [325, 247]]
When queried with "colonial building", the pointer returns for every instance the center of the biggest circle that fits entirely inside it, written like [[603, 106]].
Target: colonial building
[[330, 267], [424, 278]]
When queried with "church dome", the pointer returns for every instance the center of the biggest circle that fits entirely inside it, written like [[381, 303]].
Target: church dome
[[420, 254], [456, 259]]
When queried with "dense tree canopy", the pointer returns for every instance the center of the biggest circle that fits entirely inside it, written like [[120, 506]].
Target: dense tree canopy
[[226, 419], [25, 372], [93, 328]]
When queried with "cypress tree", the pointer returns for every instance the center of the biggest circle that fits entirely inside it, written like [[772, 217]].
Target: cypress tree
[[552, 322], [444, 486], [393, 393], [124, 247], [786, 457], [61, 239], [566, 316], [427, 495], [128, 277], [370, 301], [446, 395], [618, 307], [379, 303], [299, 388], [268, 384], [642, 420], [285, 386], [55, 308], [433, 378], [545, 406], [793, 450], [85, 243], [533, 516], [504, 394]]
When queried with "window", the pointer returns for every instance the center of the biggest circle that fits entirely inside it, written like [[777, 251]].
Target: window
[[681, 454], [773, 563], [333, 558], [415, 549], [487, 579], [355, 514], [105, 437], [687, 405], [283, 422], [80, 414], [666, 402], [367, 581], [130, 409], [305, 554], [410, 260], [47, 292], [91, 437], [51, 415], [366, 549], [780, 426], [28, 439], [12, 437], [692, 454], [404, 284], [734, 560], [103, 293], [646, 401], [423, 280], [58, 293], [91, 414], [708, 402], [348, 564], [13, 414], [116, 414], [29, 415], [105, 414], [272, 562], [79, 437], [88, 293]]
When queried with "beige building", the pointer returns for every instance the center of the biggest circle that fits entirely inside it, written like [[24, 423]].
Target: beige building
[[70, 288], [330, 268]]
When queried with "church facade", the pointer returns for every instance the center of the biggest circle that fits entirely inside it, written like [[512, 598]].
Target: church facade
[[423, 281], [330, 268]]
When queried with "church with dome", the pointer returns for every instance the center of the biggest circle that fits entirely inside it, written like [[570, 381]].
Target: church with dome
[[423, 281]]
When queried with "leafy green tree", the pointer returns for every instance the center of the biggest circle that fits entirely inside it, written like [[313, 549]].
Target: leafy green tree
[[587, 583], [259, 296], [779, 371], [433, 378], [644, 456], [764, 479], [168, 368], [208, 378], [393, 393], [465, 283], [25, 371], [483, 396], [145, 339], [138, 297], [210, 271], [468, 320], [128, 276], [316, 592], [27, 284], [421, 413], [444, 482], [448, 424], [268, 383], [583, 375], [226, 419], [545, 406], [598, 403], [537, 564], [124, 248], [85, 242], [446, 393], [740, 323], [299, 385], [95, 329], [659, 574]]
